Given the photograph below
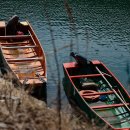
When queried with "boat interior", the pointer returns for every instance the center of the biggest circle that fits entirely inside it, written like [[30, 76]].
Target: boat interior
[[24, 55], [102, 92]]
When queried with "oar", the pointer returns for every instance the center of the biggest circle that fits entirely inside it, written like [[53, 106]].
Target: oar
[[113, 89]]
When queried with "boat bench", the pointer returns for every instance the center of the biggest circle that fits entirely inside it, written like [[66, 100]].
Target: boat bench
[[13, 43], [88, 75], [85, 76], [18, 47], [24, 59], [20, 37], [110, 106], [36, 69]]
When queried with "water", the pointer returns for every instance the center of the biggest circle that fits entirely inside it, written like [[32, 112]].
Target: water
[[96, 29]]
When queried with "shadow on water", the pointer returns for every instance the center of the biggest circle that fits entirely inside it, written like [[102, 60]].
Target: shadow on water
[[40, 92], [100, 22], [58, 99], [96, 29], [77, 109]]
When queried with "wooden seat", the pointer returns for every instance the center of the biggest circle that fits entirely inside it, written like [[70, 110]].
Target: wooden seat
[[32, 81], [14, 43], [85, 76], [31, 67], [19, 47], [28, 74], [24, 59], [32, 55], [89, 75], [109, 106], [23, 37], [35, 77], [22, 75], [7, 52]]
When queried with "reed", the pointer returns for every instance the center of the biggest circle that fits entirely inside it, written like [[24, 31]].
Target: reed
[[58, 72], [19, 111], [72, 25], [64, 120]]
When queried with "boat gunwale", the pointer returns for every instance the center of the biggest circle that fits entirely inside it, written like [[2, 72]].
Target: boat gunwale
[[39, 43]]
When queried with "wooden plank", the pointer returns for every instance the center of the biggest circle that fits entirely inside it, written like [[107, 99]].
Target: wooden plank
[[24, 59], [33, 66], [89, 75], [28, 52], [21, 62], [19, 47], [18, 56], [13, 43], [32, 81], [109, 106], [24, 37], [85, 76], [28, 68], [31, 78]]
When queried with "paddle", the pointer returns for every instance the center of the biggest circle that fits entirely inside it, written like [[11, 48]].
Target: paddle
[[113, 89]]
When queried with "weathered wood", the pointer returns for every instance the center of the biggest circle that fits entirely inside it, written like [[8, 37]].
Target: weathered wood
[[18, 47], [24, 59], [14, 43], [109, 106], [23, 37], [85, 76], [17, 50]]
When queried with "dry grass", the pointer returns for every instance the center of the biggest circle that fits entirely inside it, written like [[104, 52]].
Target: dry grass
[[19, 111]]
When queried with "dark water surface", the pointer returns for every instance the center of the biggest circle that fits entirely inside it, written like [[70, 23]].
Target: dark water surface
[[97, 29]]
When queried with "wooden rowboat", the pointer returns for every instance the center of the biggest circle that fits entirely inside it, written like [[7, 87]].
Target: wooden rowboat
[[23, 55], [98, 93]]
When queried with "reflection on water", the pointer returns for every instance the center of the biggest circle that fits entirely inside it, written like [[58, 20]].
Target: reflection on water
[[96, 29]]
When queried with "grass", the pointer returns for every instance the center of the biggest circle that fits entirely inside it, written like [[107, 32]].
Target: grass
[[19, 111]]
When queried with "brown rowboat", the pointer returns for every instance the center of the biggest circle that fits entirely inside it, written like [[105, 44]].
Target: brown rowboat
[[23, 56]]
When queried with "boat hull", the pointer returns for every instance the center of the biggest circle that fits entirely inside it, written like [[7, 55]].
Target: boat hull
[[24, 57], [77, 101], [111, 114]]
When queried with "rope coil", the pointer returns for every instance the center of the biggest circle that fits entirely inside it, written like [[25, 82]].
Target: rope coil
[[93, 97]]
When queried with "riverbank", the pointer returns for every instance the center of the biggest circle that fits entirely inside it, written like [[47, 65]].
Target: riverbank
[[19, 111]]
